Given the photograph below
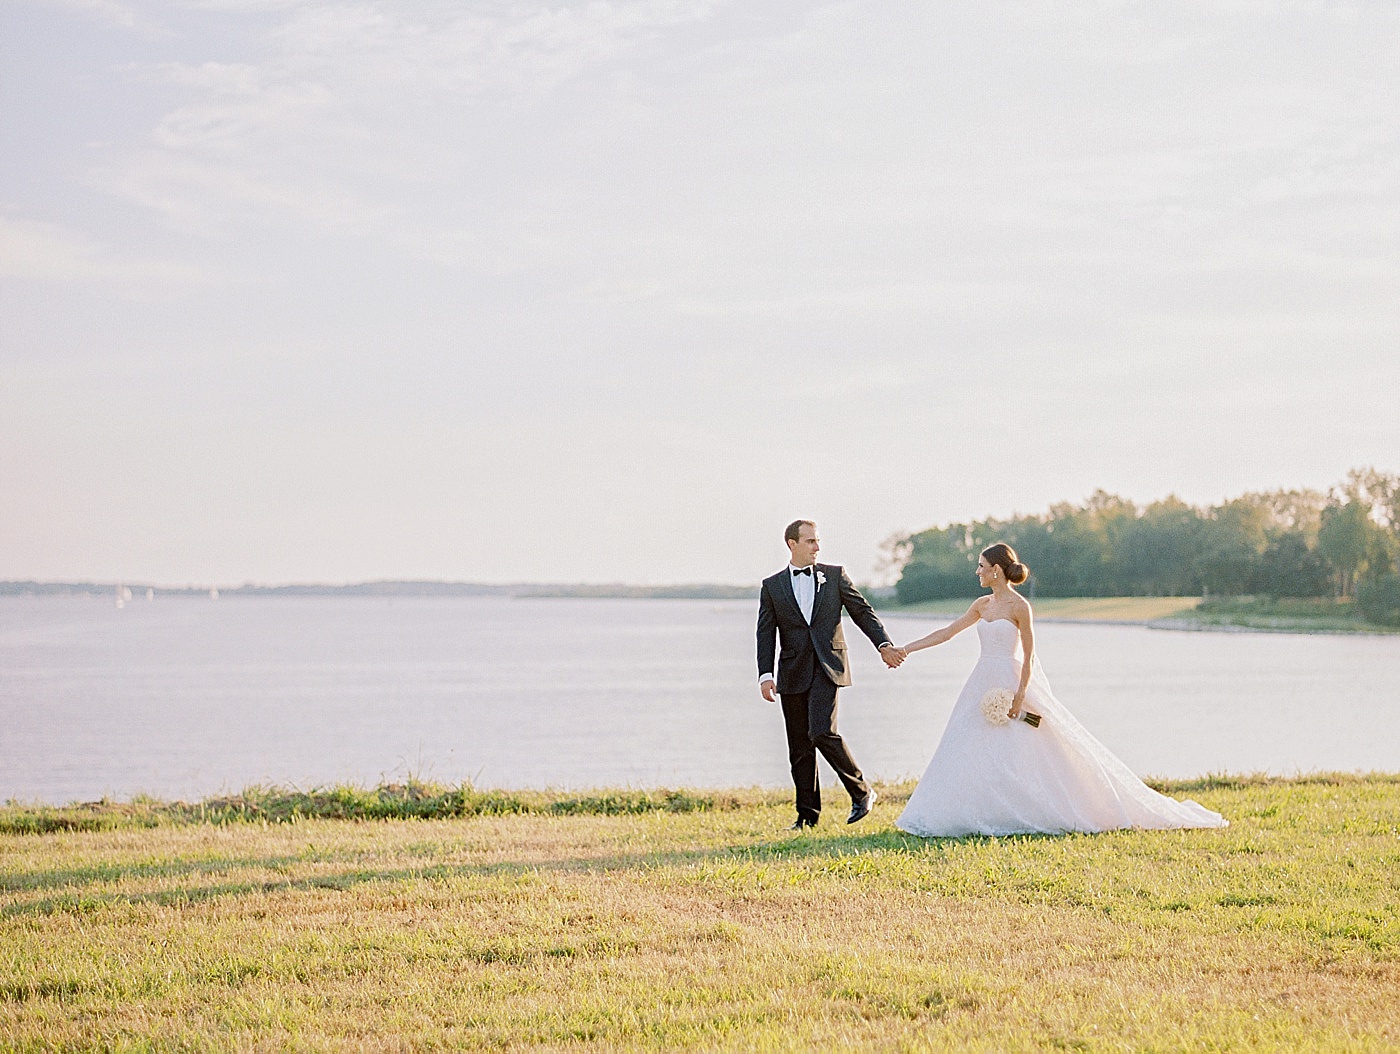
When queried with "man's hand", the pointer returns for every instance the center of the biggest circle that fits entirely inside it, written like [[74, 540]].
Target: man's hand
[[769, 690], [893, 656]]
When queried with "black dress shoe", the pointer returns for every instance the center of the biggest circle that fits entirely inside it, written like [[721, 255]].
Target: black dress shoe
[[801, 824], [861, 809]]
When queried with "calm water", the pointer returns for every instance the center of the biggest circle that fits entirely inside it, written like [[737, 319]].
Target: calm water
[[187, 697]]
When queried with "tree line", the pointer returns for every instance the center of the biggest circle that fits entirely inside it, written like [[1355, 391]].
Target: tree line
[[1344, 542]]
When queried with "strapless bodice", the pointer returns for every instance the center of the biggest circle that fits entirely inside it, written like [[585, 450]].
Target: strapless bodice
[[1000, 638]]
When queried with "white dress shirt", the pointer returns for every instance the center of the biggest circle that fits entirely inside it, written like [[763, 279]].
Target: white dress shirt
[[804, 587]]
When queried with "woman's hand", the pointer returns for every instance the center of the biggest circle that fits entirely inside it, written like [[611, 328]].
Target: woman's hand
[[1017, 701]]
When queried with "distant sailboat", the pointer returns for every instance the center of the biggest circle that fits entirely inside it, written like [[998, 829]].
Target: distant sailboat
[[213, 594], [150, 594], [120, 600]]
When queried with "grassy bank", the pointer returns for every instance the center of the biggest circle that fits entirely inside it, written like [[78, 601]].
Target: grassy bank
[[1076, 609], [1283, 614], [1278, 615], [608, 921], [411, 801]]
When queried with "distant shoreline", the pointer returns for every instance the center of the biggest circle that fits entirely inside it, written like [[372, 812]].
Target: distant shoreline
[[518, 590], [1181, 614]]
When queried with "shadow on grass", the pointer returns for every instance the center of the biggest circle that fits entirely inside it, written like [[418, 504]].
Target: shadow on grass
[[795, 847], [99, 873]]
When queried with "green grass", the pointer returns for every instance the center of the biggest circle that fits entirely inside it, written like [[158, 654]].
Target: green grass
[[1280, 615], [692, 921], [1079, 609], [413, 800], [1283, 614]]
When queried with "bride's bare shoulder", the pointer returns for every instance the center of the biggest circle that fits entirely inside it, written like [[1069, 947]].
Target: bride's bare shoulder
[[1021, 606]]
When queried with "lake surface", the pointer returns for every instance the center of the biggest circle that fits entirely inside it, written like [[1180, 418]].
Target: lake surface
[[185, 697]]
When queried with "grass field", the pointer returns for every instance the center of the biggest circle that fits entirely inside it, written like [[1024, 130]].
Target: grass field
[[692, 921], [1280, 615], [1081, 609], [1285, 614]]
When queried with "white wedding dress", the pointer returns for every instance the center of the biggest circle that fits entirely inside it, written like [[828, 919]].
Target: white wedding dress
[[1015, 779]]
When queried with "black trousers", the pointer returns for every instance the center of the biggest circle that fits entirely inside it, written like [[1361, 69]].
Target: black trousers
[[810, 718]]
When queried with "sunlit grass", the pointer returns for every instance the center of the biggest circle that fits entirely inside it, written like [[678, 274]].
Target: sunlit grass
[[1080, 609], [399, 801], [1291, 614], [622, 924], [1280, 614]]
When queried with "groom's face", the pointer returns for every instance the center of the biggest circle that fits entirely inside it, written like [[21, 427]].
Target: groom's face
[[806, 548]]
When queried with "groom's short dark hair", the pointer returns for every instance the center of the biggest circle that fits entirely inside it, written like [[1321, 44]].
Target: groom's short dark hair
[[794, 530]]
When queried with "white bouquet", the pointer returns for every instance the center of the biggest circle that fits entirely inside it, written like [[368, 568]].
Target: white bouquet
[[996, 705], [996, 708]]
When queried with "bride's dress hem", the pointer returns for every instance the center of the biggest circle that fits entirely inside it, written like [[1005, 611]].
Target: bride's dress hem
[[1002, 832], [1013, 779]]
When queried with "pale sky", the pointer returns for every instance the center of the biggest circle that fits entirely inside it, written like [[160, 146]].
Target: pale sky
[[297, 290]]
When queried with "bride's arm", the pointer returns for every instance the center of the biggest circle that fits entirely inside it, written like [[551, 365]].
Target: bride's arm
[[948, 632], [1023, 623]]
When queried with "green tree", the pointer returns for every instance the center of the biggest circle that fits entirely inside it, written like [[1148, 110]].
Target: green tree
[[1283, 543], [1233, 536], [1380, 491], [942, 564], [1157, 555], [1378, 599], [1292, 511], [1349, 539], [1071, 560], [1290, 568]]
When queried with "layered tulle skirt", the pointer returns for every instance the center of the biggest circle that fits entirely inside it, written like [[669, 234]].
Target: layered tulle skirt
[[1017, 779]]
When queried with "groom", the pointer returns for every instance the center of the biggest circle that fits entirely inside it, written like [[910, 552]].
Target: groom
[[802, 605]]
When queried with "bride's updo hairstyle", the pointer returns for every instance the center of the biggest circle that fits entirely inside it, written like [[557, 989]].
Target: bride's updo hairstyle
[[1002, 555]]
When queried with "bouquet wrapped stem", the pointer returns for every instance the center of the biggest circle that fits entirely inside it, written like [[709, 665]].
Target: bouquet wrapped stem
[[996, 708]]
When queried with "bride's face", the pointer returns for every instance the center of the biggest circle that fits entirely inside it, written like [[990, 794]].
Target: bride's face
[[986, 573]]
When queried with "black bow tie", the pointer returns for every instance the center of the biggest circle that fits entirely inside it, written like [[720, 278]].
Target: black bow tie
[[802, 570]]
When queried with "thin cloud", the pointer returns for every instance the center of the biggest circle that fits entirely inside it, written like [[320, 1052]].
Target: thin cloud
[[212, 198], [485, 262], [319, 113], [46, 252], [112, 11]]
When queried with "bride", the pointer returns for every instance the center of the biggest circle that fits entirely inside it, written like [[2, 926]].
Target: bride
[[1015, 778]]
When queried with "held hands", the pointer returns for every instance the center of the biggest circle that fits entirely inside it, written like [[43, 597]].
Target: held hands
[[893, 655]]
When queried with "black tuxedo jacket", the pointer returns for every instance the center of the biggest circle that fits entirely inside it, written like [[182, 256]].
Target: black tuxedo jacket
[[805, 647]]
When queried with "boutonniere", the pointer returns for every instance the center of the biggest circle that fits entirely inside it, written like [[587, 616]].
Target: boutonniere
[[821, 579]]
